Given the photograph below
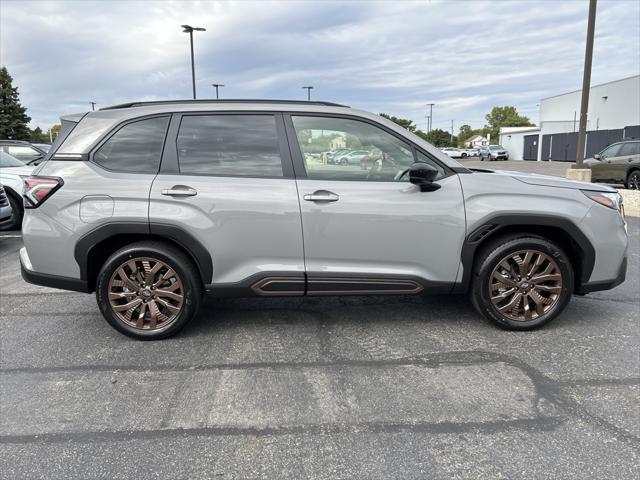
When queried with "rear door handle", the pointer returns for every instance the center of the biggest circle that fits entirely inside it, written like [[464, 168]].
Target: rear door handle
[[321, 196], [179, 191]]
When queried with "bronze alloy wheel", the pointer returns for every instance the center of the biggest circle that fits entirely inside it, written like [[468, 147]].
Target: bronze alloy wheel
[[145, 293], [525, 285]]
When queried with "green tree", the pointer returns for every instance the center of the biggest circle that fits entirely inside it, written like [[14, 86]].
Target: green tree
[[13, 116], [403, 122], [506, 116], [440, 138], [38, 136], [465, 132]]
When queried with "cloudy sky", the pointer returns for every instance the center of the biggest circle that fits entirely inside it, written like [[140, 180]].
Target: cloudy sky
[[394, 57]]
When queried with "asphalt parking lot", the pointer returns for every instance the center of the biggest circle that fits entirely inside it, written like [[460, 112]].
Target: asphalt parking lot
[[358, 387]]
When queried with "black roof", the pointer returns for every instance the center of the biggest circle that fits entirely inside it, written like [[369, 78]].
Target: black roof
[[236, 100]]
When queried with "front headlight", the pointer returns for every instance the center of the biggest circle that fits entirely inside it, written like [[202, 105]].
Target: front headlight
[[608, 199]]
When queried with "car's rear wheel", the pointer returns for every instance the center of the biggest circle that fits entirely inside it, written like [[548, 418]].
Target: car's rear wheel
[[522, 282], [633, 180], [148, 290], [464, 155], [17, 211], [344, 161]]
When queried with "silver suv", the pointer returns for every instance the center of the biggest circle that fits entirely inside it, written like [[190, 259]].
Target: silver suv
[[153, 204]]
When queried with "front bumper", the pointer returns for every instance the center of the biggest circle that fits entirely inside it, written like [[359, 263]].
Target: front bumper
[[46, 280], [605, 284]]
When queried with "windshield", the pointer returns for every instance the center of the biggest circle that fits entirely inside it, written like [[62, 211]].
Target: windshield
[[7, 160], [496, 147]]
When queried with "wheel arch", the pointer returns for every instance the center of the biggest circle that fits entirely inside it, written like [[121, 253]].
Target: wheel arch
[[557, 229], [95, 247]]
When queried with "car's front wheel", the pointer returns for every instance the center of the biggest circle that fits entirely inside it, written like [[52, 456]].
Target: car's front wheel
[[148, 290], [521, 282], [633, 180]]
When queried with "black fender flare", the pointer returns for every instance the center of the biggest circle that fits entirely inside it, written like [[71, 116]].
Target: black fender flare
[[190, 244], [494, 224]]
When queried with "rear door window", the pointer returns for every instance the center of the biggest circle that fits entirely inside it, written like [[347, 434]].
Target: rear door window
[[134, 148], [229, 145]]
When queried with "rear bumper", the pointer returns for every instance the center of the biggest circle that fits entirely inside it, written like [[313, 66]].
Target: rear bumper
[[46, 280], [605, 284]]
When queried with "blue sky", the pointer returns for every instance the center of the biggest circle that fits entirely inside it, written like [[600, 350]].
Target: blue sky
[[393, 57]]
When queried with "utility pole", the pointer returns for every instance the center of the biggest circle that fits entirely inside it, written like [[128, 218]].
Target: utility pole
[[189, 29], [428, 117], [93, 106], [309, 88], [216, 85], [586, 84], [430, 105], [451, 133]]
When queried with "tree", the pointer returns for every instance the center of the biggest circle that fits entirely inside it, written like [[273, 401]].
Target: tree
[[38, 136], [440, 138], [506, 116], [465, 132], [403, 122], [55, 130], [13, 116]]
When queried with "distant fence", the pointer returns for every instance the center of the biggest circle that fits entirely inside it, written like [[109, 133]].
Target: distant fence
[[562, 147]]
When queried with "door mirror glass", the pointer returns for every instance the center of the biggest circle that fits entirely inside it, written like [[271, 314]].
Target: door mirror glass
[[423, 175]]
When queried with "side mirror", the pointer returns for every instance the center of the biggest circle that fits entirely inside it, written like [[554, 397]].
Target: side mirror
[[423, 175], [597, 157]]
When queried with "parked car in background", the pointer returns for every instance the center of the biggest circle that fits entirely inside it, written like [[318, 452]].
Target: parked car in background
[[452, 152], [618, 163], [27, 153], [350, 158], [152, 204], [12, 175], [5, 209], [45, 147], [493, 152]]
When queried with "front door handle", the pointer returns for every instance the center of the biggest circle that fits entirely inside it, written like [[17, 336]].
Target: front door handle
[[179, 191], [321, 196]]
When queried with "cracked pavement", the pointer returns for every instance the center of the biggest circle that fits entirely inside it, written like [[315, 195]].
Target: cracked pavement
[[352, 387]]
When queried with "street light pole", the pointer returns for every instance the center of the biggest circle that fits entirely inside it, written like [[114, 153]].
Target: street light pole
[[189, 29], [216, 85], [93, 106], [309, 88], [586, 84]]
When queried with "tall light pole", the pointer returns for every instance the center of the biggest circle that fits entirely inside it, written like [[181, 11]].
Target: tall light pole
[[216, 85], [93, 106], [430, 105], [189, 29], [586, 84], [309, 88]]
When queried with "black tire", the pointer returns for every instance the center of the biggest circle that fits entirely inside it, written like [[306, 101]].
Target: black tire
[[464, 155], [489, 258], [633, 180], [174, 258], [17, 213], [344, 161]]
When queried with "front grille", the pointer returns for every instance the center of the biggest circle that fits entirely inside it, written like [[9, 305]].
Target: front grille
[[4, 201]]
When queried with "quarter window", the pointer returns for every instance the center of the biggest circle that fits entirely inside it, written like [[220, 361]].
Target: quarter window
[[346, 149], [135, 148], [234, 145]]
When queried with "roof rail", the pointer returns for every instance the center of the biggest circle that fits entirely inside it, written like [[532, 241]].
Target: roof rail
[[238, 100]]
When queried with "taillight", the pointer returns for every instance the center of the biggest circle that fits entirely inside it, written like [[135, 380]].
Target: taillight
[[37, 189]]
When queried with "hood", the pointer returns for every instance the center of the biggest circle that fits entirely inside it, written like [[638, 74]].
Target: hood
[[551, 181]]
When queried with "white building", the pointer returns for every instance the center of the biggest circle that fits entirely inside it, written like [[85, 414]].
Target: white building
[[476, 141], [613, 114]]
